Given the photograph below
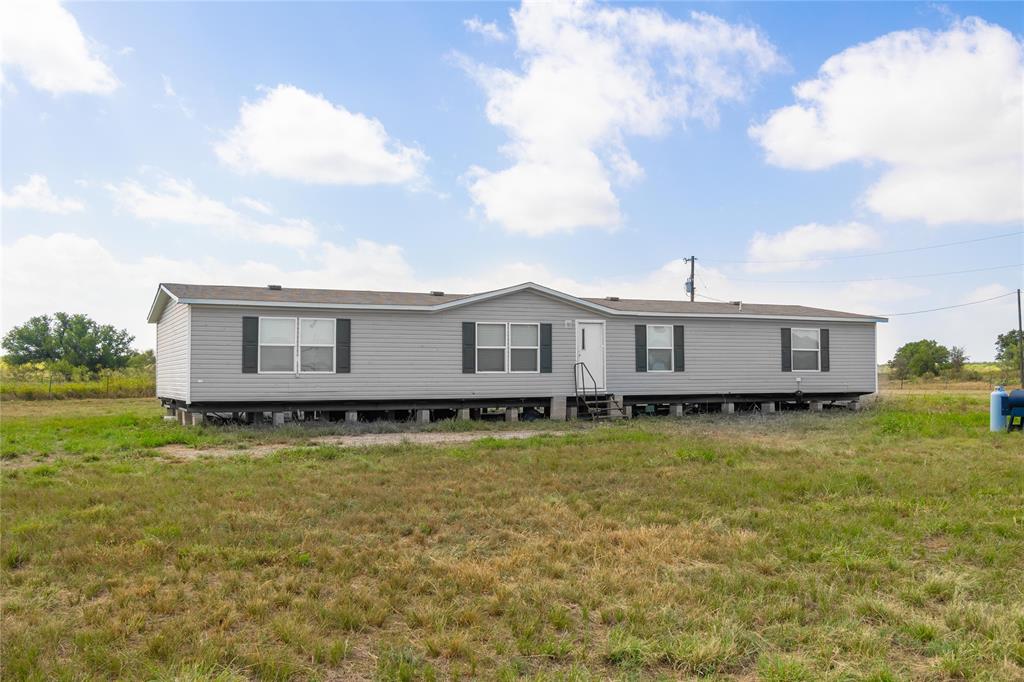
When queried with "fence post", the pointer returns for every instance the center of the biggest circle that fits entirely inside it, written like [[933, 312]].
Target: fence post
[[49, 388]]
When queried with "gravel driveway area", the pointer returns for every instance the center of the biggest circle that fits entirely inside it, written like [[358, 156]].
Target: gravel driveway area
[[364, 440]]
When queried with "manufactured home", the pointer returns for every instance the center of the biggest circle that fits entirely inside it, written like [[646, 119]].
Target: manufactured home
[[336, 354]]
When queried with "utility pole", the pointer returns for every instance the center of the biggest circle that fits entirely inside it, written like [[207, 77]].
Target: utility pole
[[1020, 339], [691, 285]]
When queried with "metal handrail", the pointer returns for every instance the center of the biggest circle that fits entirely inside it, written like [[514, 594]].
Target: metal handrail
[[578, 378]]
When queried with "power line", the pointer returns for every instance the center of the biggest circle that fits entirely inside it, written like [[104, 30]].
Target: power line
[[712, 298], [875, 279], [948, 307], [912, 312], [870, 255]]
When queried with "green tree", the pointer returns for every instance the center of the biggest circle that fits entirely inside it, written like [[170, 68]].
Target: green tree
[[1007, 346], [1008, 355], [31, 342], [918, 358], [957, 359], [142, 360], [70, 340], [900, 367]]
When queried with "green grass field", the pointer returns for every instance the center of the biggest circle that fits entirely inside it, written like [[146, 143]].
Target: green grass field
[[881, 545]]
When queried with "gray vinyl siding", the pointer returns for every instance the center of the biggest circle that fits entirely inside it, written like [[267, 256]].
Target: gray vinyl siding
[[172, 352], [742, 356], [418, 355], [395, 355]]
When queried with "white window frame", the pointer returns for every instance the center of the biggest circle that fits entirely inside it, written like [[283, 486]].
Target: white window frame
[[503, 348], [793, 348], [507, 348], [535, 349], [333, 345], [296, 345], [671, 348], [293, 345]]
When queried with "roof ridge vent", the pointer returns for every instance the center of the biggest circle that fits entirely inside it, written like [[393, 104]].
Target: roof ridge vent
[[611, 298], [437, 293], [274, 287]]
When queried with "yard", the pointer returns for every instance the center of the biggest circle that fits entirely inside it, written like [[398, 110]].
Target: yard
[[881, 545]]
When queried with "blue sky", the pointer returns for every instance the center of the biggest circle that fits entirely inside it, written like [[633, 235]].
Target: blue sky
[[465, 146]]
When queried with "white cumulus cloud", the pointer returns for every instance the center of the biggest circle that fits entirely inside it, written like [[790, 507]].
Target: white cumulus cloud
[[293, 134], [940, 111], [781, 250], [178, 201], [487, 29], [590, 76], [256, 205], [36, 194], [43, 41]]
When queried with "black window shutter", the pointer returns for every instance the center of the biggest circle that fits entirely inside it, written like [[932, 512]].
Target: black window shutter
[[343, 347], [469, 348], [824, 350], [545, 348], [250, 345], [641, 348], [679, 359], [787, 350]]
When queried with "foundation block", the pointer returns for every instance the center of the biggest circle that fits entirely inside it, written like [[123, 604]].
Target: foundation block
[[557, 411]]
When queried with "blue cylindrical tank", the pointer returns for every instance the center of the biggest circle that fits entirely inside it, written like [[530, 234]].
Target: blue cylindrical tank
[[996, 418]]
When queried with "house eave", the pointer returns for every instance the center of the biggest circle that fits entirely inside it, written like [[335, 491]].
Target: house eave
[[162, 293]]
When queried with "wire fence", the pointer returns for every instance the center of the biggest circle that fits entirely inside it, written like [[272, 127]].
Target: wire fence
[[34, 383], [973, 377]]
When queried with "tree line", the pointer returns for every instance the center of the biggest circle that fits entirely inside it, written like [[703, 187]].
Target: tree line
[[71, 343], [930, 358]]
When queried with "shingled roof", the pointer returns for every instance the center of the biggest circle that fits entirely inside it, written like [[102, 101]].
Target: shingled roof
[[432, 301], [215, 292], [640, 305]]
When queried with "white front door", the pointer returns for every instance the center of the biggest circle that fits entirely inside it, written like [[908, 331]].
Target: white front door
[[590, 350]]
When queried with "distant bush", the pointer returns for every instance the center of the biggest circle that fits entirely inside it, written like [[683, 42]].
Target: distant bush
[[973, 375], [60, 381], [920, 358]]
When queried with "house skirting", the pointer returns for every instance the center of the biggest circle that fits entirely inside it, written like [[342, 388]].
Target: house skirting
[[551, 407], [740, 398], [358, 405]]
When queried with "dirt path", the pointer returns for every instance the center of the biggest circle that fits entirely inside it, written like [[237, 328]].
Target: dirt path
[[365, 440]]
